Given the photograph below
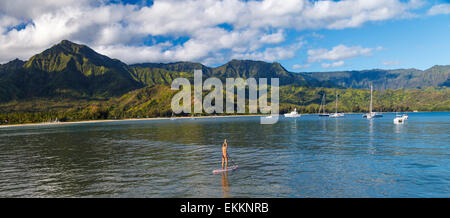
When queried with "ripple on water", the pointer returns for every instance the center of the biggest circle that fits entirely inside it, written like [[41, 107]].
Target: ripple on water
[[307, 157]]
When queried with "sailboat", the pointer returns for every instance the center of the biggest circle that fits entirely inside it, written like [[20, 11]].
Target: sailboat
[[371, 114], [399, 119], [292, 114], [322, 106], [336, 114]]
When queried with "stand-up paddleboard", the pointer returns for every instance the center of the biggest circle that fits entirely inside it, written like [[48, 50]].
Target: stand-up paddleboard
[[225, 170]]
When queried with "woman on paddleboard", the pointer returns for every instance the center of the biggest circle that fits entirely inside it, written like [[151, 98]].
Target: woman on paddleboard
[[225, 154]]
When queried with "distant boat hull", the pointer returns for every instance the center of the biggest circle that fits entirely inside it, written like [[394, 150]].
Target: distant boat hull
[[399, 120], [372, 115], [324, 115], [337, 115], [292, 114]]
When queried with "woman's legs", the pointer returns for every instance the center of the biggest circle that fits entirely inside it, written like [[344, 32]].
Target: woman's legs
[[226, 162]]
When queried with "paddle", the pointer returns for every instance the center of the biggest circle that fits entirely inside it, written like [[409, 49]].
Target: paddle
[[229, 157]]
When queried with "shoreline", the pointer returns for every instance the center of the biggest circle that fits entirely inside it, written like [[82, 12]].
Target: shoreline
[[160, 118], [118, 120]]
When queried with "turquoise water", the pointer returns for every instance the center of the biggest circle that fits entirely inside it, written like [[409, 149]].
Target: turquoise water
[[304, 157]]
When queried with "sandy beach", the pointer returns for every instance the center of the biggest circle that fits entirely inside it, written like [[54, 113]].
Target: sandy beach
[[119, 120]]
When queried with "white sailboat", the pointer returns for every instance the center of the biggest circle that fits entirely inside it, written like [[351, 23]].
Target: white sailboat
[[292, 114], [322, 107], [399, 119], [372, 114], [336, 114]]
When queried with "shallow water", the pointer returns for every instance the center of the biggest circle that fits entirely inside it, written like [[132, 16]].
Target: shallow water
[[304, 157]]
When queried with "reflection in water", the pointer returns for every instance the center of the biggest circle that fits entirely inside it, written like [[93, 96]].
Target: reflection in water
[[225, 185], [371, 141], [371, 126], [398, 128]]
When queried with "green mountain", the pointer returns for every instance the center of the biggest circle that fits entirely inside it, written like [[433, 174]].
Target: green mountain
[[78, 68], [71, 70], [240, 68], [388, 79], [156, 76], [11, 66], [381, 79], [260, 69], [66, 70], [187, 67]]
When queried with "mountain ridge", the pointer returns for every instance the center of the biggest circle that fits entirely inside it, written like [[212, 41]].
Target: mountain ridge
[[68, 69], [382, 79]]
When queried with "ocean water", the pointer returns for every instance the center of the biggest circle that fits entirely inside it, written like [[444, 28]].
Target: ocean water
[[303, 157]]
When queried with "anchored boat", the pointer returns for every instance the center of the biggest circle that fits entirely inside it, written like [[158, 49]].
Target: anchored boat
[[322, 107], [399, 119], [292, 114], [336, 114], [371, 114]]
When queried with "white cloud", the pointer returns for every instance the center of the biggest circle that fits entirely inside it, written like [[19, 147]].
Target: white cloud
[[254, 25], [271, 54], [391, 63], [29, 10], [379, 48], [273, 38], [334, 64], [300, 66], [317, 35], [338, 52], [439, 9]]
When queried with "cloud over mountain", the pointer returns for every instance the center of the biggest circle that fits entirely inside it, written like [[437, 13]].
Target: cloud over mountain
[[208, 31], [338, 54]]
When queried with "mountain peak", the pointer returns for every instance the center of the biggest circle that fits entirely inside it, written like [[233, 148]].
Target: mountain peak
[[68, 46], [16, 61], [60, 55], [65, 41], [12, 65], [75, 69]]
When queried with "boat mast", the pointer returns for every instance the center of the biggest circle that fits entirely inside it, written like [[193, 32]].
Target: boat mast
[[336, 102], [323, 104], [371, 90]]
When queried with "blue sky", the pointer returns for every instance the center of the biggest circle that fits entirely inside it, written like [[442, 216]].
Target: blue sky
[[302, 35], [407, 43]]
